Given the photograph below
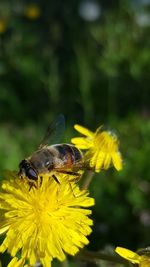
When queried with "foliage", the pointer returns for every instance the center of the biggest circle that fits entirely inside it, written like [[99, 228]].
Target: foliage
[[48, 65]]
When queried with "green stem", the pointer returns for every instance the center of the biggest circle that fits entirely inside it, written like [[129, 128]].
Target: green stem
[[37, 264], [95, 256], [86, 179], [65, 263]]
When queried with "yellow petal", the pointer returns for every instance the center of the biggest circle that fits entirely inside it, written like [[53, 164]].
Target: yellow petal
[[81, 142], [84, 130], [99, 161], [145, 261], [98, 130], [107, 161], [46, 262], [45, 221], [16, 263], [117, 161], [3, 229], [128, 254]]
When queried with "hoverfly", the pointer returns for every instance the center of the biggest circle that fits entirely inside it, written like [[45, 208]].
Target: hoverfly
[[61, 158]]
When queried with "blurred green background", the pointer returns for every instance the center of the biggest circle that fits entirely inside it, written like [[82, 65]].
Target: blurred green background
[[90, 60]]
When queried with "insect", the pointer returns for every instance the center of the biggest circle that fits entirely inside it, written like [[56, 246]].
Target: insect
[[62, 158]]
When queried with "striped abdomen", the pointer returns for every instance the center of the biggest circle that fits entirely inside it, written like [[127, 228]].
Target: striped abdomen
[[61, 156], [69, 155]]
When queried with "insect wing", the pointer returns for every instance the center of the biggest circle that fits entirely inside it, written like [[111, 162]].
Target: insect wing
[[54, 132]]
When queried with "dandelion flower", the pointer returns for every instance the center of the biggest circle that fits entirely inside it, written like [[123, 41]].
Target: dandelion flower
[[32, 11], [43, 222], [129, 255], [3, 25], [102, 148]]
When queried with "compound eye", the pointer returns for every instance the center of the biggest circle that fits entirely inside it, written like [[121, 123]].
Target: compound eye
[[22, 164], [32, 174]]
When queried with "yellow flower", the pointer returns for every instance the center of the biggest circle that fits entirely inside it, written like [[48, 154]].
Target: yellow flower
[[43, 222], [102, 148], [32, 12], [129, 255], [3, 25]]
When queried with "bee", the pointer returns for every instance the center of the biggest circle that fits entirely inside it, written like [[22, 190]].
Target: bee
[[62, 158]]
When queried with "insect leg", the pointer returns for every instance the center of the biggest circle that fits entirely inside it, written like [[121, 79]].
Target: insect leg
[[41, 180], [70, 185], [76, 175], [75, 179], [69, 172], [32, 184], [55, 178]]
